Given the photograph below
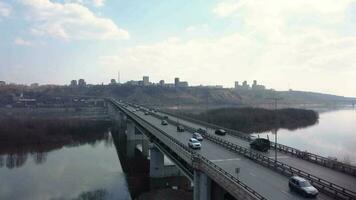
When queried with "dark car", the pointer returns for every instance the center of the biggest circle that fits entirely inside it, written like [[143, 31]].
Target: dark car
[[220, 132], [260, 144], [302, 186], [180, 128], [201, 131], [147, 113], [164, 122], [165, 117]]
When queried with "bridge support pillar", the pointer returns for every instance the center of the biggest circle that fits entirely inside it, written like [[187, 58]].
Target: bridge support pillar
[[156, 163], [145, 146], [202, 186]]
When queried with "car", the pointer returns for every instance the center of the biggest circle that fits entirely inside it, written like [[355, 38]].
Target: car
[[194, 143], [260, 144], [165, 117], [220, 132], [147, 113], [302, 186], [197, 136], [180, 128], [164, 122], [201, 131]]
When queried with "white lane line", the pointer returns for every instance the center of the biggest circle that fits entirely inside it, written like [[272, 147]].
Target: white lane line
[[222, 160]]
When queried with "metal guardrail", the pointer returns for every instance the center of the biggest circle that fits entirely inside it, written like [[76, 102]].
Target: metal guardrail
[[317, 159], [227, 181], [323, 185]]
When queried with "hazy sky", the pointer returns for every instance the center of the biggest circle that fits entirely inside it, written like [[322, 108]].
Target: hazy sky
[[299, 44]]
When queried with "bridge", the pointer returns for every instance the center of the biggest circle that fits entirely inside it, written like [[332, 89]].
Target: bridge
[[226, 168]]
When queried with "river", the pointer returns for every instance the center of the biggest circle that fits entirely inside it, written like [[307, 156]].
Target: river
[[333, 136]]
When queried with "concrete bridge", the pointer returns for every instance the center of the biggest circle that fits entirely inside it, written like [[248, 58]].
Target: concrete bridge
[[213, 168]]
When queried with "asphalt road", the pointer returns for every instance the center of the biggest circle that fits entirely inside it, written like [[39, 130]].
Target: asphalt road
[[336, 177], [265, 181]]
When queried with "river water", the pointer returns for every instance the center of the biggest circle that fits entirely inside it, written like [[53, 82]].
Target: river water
[[333, 136], [89, 171]]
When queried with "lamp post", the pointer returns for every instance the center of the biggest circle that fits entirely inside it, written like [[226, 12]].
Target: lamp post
[[275, 130]]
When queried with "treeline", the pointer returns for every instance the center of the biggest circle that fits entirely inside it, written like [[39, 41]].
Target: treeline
[[252, 120]]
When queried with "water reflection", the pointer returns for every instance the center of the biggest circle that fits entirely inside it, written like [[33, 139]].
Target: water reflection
[[334, 136]]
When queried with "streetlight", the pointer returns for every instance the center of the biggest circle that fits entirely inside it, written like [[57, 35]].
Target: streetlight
[[274, 131]]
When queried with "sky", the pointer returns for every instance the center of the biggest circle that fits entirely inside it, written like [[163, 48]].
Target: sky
[[301, 45]]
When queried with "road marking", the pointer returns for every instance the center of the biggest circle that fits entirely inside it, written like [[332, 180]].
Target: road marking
[[222, 160]]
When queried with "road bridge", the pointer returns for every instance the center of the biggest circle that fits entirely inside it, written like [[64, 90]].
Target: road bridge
[[217, 160]]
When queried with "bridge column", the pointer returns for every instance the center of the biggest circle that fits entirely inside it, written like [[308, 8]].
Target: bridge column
[[156, 163], [202, 186], [130, 132], [145, 146]]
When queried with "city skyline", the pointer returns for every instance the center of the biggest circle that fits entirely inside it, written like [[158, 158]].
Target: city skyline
[[304, 45]]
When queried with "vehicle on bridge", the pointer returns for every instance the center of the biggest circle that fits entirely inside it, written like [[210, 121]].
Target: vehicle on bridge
[[147, 113], [180, 128], [201, 131], [197, 136], [220, 132], [165, 117], [164, 122], [260, 144], [302, 186], [194, 143]]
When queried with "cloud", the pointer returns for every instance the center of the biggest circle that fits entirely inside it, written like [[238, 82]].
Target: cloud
[[22, 42], [70, 21], [280, 42], [98, 3], [5, 9]]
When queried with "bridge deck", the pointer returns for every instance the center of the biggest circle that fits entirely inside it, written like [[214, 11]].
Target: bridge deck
[[339, 178], [266, 182]]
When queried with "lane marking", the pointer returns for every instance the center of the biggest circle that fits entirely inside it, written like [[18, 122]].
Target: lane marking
[[222, 160]]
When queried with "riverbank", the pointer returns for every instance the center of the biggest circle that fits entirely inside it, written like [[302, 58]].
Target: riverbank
[[257, 120]]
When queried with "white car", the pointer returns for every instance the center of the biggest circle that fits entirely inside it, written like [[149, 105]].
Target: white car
[[197, 136], [194, 143]]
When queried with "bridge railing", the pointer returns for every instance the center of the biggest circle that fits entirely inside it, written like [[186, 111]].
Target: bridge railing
[[327, 187], [320, 160], [225, 179]]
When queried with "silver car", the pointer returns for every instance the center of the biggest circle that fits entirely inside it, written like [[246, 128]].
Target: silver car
[[194, 143], [302, 186], [197, 136]]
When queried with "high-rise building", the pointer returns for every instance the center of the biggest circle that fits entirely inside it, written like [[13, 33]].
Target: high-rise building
[[146, 80], [176, 81], [74, 83], [82, 83], [245, 85], [236, 84]]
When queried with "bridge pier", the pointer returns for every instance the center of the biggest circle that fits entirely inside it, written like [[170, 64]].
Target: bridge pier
[[202, 186], [156, 163]]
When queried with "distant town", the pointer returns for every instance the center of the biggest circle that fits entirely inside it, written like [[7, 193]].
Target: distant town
[[177, 83]]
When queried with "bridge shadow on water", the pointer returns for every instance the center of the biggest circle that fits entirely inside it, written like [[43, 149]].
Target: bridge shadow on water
[[136, 166]]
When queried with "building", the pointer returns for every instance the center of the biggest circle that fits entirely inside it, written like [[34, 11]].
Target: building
[[82, 83], [245, 85], [161, 83], [113, 82], [74, 83], [34, 85], [2, 83], [255, 86], [236, 85], [176, 82], [146, 80], [132, 82], [183, 84]]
